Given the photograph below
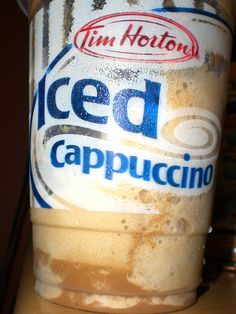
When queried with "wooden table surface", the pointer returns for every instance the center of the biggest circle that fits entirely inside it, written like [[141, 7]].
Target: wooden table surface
[[219, 296]]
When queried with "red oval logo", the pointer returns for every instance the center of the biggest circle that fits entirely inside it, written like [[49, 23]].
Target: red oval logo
[[139, 37]]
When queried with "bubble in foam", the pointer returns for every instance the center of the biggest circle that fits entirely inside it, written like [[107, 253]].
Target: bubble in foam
[[105, 271], [173, 199], [145, 196], [131, 275], [168, 222], [183, 225], [178, 92]]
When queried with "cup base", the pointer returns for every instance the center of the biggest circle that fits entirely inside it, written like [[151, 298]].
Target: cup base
[[113, 303]]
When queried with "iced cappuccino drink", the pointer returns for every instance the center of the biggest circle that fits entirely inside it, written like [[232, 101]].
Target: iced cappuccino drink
[[127, 103]]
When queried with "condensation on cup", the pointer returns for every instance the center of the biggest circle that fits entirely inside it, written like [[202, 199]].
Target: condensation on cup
[[127, 100]]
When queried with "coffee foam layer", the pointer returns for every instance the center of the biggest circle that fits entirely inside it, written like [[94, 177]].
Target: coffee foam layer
[[116, 304], [174, 214], [197, 87], [153, 263]]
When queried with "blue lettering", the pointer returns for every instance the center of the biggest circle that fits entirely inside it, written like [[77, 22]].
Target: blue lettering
[[41, 106], [208, 175], [53, 156], [170, 176], [110, 161], [156, 173], [146, 169], [184, 177], [78, 99], [148, 127], [185, 172], [51, 99], [194, 172], [89, 154], [74, 156]]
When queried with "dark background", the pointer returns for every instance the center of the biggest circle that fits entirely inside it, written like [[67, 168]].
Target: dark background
[[13, 144], [14, 112]]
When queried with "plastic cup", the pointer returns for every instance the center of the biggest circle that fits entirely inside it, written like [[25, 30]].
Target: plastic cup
[[127, 100]]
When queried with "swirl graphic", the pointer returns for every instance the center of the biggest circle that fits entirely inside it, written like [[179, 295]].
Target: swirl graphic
[[193, 132]]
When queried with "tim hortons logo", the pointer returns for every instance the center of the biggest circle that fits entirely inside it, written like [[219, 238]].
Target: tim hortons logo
[[139, 37]]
